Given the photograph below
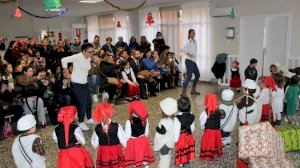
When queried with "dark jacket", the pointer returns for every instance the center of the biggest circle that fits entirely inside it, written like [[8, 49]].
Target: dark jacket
[[136, 69], [106, 48], [251, 73]]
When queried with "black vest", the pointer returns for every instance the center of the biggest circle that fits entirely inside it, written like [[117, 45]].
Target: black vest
[[60, 133], [213, 122], [137, 128], [109, 139], [186, 120]]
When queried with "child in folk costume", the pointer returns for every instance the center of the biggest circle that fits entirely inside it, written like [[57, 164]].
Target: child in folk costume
[[248, 108], [231, 113], [69, 138], [27, 148], [164, 136], [278, 98], [184, 127], [267, 85], [138, 152], [133, 89], [211, 142], [108, 137], [292, 100], [235, 82]]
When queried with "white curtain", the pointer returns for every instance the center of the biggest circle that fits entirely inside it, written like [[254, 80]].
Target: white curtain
[[195, 15], [92, 27], [126, 29], [149, 30], [170, 27], [106, 28]]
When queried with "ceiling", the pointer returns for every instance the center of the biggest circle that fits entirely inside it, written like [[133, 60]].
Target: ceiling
[[80, 9]]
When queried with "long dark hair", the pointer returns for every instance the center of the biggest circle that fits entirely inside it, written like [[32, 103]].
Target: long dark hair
[[190, 31]]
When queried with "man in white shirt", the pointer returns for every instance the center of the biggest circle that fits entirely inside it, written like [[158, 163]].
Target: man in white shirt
[[79, 85], [190, 49]]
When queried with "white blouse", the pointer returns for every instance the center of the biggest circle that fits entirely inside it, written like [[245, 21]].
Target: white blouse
[[128, 129], [177, 127], [125, 77], [78, 135], [191, 48]]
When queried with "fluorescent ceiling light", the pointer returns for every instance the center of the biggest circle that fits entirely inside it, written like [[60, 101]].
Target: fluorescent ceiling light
[[90, 1]]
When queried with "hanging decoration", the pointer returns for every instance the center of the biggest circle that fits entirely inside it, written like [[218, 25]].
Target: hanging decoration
[[119, 24], [233, 13], [150, 20], [58, 14], [126, 9], [18, 14], [52, 5]]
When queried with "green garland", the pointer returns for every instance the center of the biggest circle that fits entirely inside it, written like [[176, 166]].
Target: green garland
[[126, 9]]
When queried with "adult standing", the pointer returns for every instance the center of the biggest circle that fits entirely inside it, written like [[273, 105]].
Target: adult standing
[[79, 83], [159, 43], [190, 49], [76, 47]]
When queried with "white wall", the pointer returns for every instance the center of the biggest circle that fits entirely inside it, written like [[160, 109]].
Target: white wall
[[254, 7], [30, 26]]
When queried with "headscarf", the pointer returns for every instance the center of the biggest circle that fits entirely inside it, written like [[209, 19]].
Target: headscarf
[[138, 108], [103, 110], [211, 102], [237, 63], [66, 115], [270, 83], [21, 42]]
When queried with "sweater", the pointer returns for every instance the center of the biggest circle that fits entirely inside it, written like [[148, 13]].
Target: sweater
[[164, 138]]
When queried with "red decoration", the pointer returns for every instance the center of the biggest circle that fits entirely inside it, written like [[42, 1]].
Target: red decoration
[[18, 13], [119, 24], [78, 33], [150, 19]]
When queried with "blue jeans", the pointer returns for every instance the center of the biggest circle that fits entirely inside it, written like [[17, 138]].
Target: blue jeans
[[93, 83], [83, 99], [191, 68]]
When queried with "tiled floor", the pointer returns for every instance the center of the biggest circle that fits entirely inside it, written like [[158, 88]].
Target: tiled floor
[[230, 153]]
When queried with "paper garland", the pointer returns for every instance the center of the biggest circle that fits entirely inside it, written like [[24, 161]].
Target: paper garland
[[63, 11]]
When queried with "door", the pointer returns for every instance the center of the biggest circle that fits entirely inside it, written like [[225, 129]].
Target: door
[[251, 42]]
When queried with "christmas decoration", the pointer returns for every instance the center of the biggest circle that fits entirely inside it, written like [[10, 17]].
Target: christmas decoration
[[59, 13], [232, 14], [18, 13], [150, 19], [126, 9], [119, 24]]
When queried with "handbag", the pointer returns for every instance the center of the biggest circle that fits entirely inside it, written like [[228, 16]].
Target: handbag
[[115, 81]]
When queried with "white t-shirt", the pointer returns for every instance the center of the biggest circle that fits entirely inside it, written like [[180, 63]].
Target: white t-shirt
[[191, 48]]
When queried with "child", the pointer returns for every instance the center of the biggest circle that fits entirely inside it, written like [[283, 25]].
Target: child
[[248, 109], [267, 85], [138, 152], [133, 89], [211, 142], [164, 136], [235, 82], [278, 98], [184, 126], [251, 72], [27, 148], [292, 100], [108, 137], [273, 70], [69, 138], [228, 123]]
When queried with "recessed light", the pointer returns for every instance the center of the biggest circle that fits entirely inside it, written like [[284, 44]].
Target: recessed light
[[90, 1]]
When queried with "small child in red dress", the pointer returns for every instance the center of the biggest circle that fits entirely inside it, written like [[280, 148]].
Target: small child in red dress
[[138, 152], [211, 142], [184, 127], [69, 138], [108, 137], [235, 82]]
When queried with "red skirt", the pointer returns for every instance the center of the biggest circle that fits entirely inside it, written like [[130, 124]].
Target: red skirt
[[241, 164], [75, 157], [235, 82], [138, 151], [184, 149], [133, 91], [110, 157], [211, 145], [266, 114]]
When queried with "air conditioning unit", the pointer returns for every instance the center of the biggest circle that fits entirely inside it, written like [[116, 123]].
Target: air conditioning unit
[[222, 12]]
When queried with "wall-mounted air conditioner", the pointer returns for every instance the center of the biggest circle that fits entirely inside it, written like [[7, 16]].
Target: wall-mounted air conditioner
[[222, 12]]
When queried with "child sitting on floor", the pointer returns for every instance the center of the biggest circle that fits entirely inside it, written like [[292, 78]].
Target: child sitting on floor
[[108, 137], [184, 127], [231, 113], [211, 142], [69, 138], [27, 148], [164, 136], [138, 152]]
